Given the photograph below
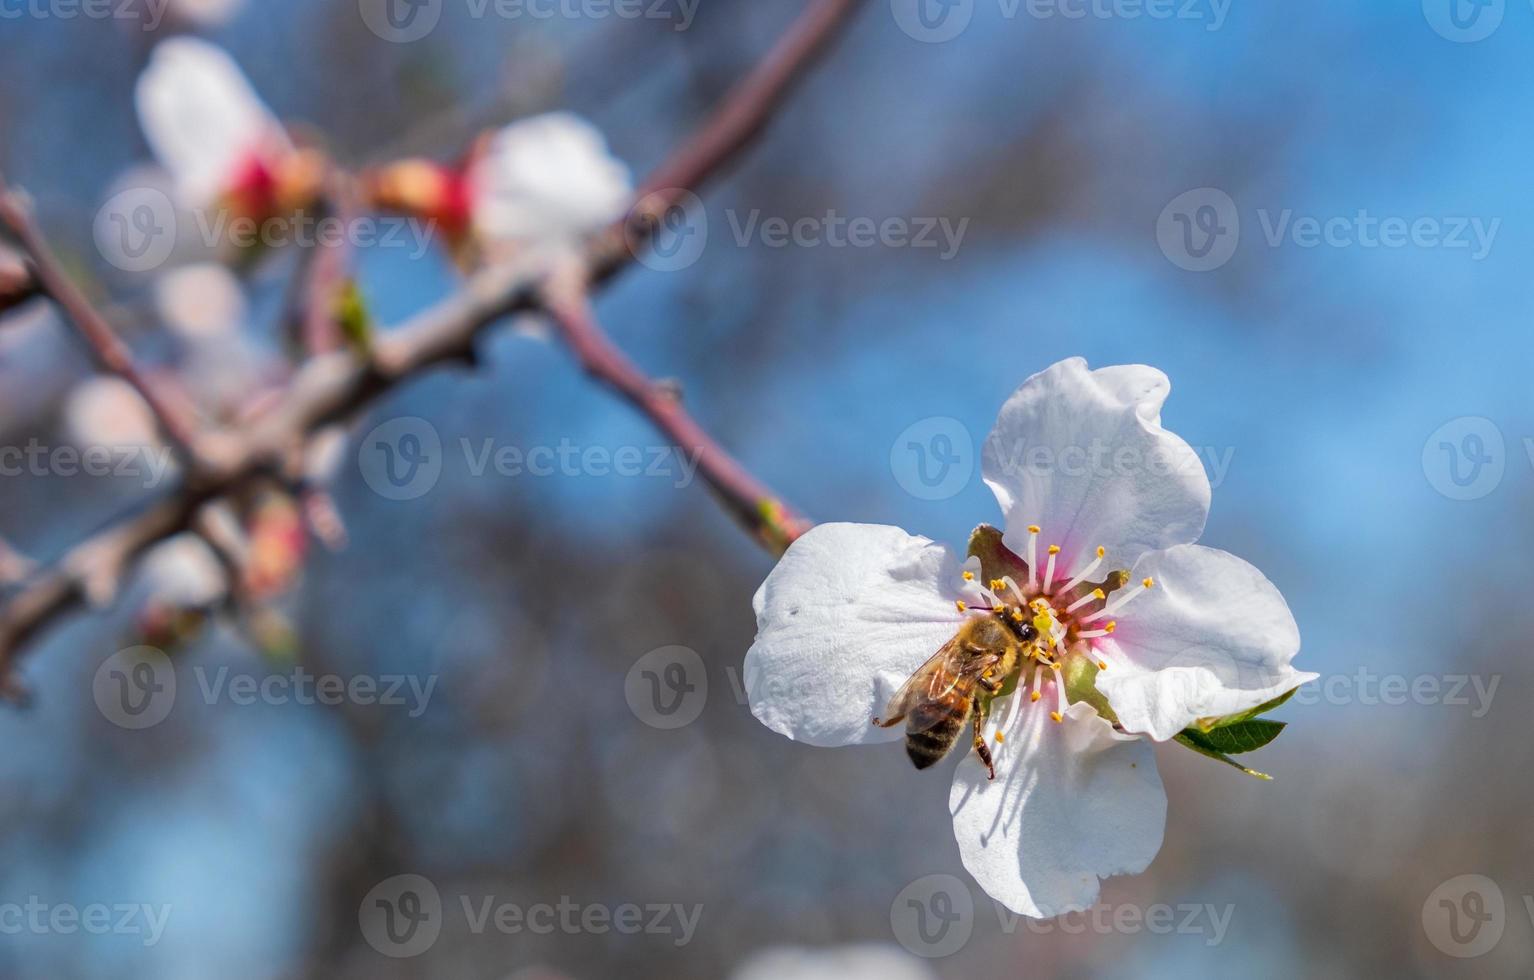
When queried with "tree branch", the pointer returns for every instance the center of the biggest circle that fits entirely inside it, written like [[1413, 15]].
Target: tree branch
[[109, 349], [331, 387], [747, 499], [16, 282]]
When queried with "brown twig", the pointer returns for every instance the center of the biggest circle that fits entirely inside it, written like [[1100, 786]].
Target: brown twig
[[747, 499], [16, 282], [99, 335], [332, 387]]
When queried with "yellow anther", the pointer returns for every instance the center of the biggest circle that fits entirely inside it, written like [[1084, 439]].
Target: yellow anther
[[1000, 738], [1033, 696], [1054, 549], [1102, 665], [1054, 665], [1148, 582], [1056, 716], [1099, 594], [1033, 529], [1017, 615], [959, 604], [969, 576], [1113, 624], [1101, 551]]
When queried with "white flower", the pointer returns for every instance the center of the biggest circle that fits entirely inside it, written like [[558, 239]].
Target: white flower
[[856, 961], [207, 13], [547, 180], [1096, 496], [105, 410], [201, 303], [183, 572], [206, 124]]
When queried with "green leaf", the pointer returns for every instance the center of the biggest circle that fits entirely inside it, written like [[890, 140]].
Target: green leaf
[[1191, 737], [1225, 721]]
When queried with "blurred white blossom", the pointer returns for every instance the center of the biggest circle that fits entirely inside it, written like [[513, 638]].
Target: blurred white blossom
[[547, 180], [860, 961]]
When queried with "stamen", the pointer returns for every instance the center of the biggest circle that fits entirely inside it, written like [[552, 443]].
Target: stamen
[[1013, 709], [1033, 555], [1060, 703], [959, 604], [1089, 597], [1049, 569], [1008, 581], [969, 576], [1038, 670], [1081, 576], [1119, 602], [1108, 627]]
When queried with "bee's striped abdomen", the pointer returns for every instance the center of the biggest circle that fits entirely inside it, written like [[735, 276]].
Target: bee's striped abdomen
[[933, 729]]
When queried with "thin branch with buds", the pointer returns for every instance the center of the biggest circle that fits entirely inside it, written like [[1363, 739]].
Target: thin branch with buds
[[333, 387], [99, 334], [747, 499]]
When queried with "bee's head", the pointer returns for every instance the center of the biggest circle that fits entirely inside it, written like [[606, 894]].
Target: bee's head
[[1020, 626]]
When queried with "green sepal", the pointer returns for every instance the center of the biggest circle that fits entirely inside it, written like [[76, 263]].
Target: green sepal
[[1225, 721], [353, 319], [996, 559]]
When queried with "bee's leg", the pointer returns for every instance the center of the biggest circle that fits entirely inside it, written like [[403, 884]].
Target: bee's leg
[[981, 749], [890, 723]]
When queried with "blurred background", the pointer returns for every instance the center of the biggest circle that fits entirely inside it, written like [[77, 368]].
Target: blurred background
[[1202, 186]]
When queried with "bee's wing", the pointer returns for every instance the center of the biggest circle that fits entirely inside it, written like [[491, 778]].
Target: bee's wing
[[932, 680]]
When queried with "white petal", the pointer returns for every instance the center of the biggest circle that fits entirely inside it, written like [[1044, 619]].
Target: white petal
[[1212, 637], [848, 614], [1082, 454], [549, 178], [1072, 802], [202, 118]]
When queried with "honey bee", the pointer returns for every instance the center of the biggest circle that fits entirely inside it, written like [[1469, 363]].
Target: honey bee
[[957, 684]]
